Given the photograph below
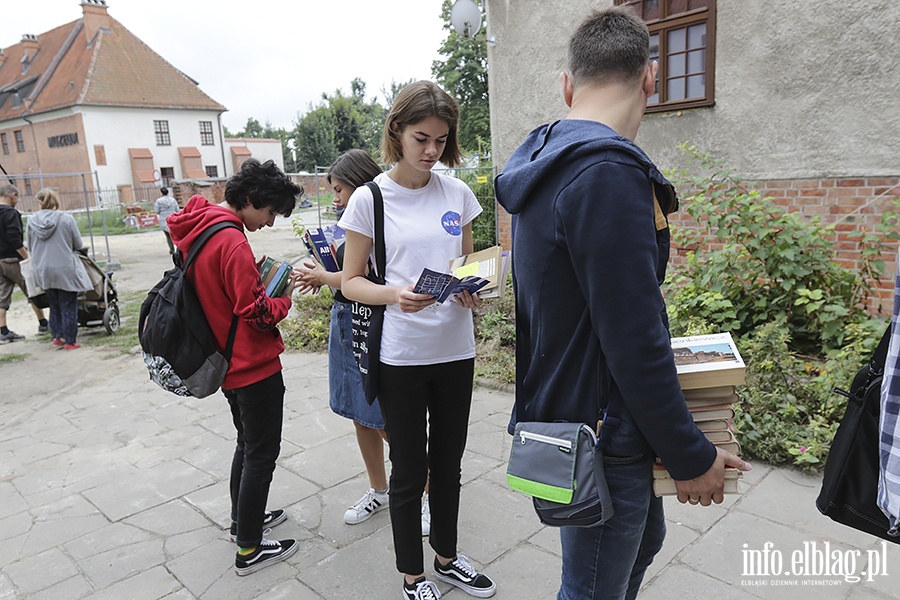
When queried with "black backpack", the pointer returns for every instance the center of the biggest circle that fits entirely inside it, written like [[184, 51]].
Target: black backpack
[[178, 345]]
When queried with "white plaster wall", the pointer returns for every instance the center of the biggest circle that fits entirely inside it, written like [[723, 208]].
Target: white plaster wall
[[119, 129], [807, 88]]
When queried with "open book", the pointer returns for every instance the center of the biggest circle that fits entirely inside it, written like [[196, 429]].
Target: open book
[[491, 264], [442, 285]]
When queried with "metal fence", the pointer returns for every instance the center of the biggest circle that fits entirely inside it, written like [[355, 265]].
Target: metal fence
[[480, 180]]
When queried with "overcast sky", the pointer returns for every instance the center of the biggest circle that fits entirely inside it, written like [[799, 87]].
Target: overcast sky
[[266, 59]]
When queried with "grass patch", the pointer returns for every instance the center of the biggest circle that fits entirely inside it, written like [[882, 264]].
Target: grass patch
[[6, 359], [126, 338]]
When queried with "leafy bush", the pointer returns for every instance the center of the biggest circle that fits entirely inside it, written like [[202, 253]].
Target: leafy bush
[[495, 338], [751, 263], [308, 330]]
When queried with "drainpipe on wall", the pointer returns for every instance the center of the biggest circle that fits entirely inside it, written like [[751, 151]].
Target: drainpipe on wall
[[222, 145], [37, 155]]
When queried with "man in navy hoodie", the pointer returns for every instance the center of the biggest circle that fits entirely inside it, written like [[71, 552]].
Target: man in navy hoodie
[[590, 247]]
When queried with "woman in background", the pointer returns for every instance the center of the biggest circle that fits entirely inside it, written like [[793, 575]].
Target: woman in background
[[53, 238]]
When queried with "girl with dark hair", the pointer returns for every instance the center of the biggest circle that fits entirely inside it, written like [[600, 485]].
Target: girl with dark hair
[[427, 349], [349, 171]]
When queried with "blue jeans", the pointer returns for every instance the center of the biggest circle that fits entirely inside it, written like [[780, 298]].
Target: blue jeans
[[63, 314], [257, 412], [608, 562]]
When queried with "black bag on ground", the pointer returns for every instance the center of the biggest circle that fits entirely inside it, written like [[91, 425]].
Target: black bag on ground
[[178, 345], [367, 319], [850, 484]]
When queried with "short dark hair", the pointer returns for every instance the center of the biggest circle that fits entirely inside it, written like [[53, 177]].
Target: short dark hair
[[353, 168], [610, 46], [415, 103], [164, 191], [262, 185]]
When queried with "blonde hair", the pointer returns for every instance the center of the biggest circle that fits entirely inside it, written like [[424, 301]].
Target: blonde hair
[[48, 199], [415, 103]]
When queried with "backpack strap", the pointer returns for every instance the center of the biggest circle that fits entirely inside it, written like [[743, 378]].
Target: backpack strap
[[380, 253], [192, 254], [881, 351]]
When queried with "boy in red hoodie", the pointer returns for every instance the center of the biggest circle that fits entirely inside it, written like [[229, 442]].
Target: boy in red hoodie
[[227, 283]]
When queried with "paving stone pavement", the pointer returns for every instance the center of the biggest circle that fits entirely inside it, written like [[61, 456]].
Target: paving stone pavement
[[112, 488]]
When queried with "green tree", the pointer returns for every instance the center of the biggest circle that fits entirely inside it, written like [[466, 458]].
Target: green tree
[[339, 122], [464, 74]]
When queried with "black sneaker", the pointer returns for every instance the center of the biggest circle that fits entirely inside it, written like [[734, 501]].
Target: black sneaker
[[267, 553], [420, 589], [272, 518], [463, 575], [43, 329]]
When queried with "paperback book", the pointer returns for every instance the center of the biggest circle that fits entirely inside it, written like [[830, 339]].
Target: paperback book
[[444, 285], [274, 275], [491, 264], [705, 361], [664, 485]]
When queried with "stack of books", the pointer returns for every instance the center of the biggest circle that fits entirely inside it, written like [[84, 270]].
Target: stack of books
[[274, 275], [709, 367], [491, 264]]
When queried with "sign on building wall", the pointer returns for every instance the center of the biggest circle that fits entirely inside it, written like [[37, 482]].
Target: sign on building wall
[[66, 139]]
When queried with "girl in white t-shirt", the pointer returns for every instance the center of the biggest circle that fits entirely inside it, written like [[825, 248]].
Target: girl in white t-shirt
[[427, 349]]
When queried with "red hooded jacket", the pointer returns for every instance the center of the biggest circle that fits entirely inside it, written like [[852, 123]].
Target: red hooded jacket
[[227, 283]]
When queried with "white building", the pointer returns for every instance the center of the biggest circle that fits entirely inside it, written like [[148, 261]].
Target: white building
[[90, 96]]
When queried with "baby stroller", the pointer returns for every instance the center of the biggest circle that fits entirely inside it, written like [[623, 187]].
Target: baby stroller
[[98, 306]]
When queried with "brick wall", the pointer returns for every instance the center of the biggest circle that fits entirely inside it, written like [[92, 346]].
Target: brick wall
[[850, 204]]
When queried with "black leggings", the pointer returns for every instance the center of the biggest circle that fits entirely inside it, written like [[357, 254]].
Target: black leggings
[[412, 398]]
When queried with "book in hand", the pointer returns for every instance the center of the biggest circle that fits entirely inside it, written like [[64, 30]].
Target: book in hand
[[319, 247], [704, 361], [664, 485], [444, 285], [491, 264], [710, 413], [274, 276]]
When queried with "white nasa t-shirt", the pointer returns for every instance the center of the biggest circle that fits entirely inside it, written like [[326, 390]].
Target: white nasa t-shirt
[[422, 229]]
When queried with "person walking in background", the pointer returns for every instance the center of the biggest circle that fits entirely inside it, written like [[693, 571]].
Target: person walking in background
[[427, 349], [349, 171], [12, 251], [54, 240], [590, 250], [164, 206], [225, 277]]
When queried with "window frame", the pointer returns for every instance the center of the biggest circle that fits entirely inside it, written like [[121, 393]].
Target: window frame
[[164, 176], [5, 143], [20, 140], [207, 138], [214, 169], [682, 20], [161, 132]]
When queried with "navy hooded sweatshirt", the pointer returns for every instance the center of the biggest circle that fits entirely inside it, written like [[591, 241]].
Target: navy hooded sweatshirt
[[590, 249]]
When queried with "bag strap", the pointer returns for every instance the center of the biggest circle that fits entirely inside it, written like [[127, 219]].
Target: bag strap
[[380, 254], [881, 351], [192, 254]]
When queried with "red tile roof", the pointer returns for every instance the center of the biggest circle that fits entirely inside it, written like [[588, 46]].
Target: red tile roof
[[114, 68]]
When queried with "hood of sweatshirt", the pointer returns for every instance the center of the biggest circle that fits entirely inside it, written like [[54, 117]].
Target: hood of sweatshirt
[[44, 223], [560, 143], [199, 213]]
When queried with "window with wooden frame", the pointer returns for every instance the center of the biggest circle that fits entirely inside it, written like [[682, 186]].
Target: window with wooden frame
[[167, 176], [161, 133], [20, 140], [212, 170], [206, 134], [682, 40], [5, 143]]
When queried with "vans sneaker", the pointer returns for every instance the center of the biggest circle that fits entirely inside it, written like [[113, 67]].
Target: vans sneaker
[[272, 518], [426, 516], [368, 505], [420, 589], [267, 553], [463, 575]]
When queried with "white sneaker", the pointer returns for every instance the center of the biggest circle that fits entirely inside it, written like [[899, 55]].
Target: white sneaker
[[368, 505], [426, 516]]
